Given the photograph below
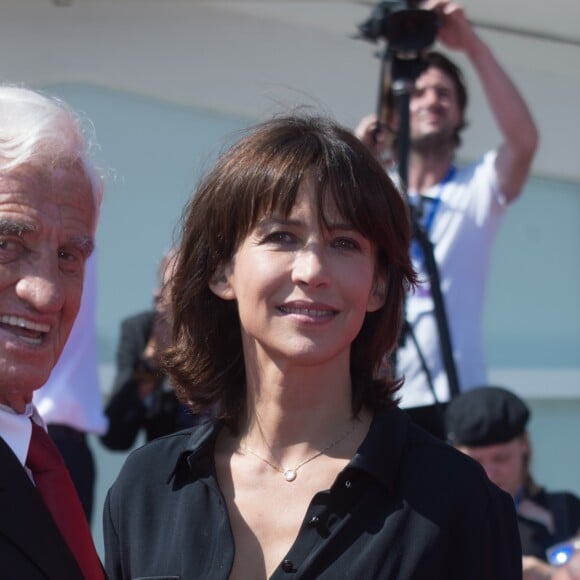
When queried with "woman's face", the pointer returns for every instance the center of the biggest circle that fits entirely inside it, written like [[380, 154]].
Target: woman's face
[[504, 463], [302, 292]]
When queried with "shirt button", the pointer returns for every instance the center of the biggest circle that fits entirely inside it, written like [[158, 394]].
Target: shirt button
[[314, 521], [287, 565]]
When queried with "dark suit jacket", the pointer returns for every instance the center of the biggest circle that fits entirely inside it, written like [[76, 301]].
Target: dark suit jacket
[[126, 412], [31, 546]]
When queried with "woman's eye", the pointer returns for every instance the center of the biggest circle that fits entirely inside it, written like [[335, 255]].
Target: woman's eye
[[346, 244], [279, 238]]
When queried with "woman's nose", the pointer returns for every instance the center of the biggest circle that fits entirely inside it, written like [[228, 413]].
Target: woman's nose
[[311, 266]]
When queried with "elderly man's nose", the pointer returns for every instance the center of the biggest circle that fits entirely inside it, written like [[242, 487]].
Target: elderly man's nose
[[43, 289]]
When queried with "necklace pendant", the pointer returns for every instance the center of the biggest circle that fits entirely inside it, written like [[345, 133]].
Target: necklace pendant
[[290, 474]]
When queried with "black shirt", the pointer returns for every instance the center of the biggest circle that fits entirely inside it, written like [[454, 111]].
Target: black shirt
[[407, 507]]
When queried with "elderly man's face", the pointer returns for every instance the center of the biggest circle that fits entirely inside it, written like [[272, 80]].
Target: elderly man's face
[[46, 235]]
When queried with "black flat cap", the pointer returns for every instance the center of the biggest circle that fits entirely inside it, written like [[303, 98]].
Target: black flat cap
[[485, 416]]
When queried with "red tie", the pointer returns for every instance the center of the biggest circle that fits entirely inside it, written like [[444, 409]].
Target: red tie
[[54, 484]]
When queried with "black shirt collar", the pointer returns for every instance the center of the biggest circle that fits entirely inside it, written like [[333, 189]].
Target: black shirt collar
[[379, 455]]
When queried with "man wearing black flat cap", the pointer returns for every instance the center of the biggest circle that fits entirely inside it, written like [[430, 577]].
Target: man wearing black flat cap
[[489, 424]]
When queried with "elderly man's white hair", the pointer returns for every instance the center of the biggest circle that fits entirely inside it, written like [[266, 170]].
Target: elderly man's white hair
[[41, 130]]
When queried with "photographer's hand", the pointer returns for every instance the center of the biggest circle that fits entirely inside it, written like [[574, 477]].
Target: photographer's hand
[[536, 569], [373, 135], [455, 31], [514, 120]]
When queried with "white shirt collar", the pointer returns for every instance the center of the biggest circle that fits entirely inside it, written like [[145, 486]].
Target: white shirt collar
[[16, 430]]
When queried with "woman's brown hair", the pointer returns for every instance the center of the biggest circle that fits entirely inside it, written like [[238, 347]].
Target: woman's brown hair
[[260, 174]]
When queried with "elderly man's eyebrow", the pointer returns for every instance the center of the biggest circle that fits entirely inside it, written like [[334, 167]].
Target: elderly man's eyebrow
[[12, 227], [85, 244]]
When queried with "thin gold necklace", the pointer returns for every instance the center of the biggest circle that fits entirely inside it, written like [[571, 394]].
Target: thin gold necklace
[[290, 474]]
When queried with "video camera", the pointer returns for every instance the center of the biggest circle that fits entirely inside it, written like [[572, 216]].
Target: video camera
[[407, 29]]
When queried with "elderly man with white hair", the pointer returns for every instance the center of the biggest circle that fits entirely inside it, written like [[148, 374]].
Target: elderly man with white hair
[[49, 199]]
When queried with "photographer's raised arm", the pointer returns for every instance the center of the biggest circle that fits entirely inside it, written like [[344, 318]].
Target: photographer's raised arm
[[514, 120]]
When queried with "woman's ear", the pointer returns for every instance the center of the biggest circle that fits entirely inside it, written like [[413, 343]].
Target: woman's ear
[[220, 284], [378, 295]]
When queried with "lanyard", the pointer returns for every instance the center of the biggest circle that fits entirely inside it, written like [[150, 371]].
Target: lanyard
[[436, 200], [427, 223]]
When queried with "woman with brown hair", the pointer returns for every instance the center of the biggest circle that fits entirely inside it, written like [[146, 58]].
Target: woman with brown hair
[[288, 291]]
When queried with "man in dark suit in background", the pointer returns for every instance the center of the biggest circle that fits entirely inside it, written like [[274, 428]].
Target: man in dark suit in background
[[49, 199], [142, 398]]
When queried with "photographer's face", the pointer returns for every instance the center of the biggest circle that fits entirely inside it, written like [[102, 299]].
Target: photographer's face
[[434, 110], [504, 463]]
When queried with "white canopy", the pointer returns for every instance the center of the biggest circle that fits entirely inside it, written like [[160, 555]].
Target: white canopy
[[252, 58]]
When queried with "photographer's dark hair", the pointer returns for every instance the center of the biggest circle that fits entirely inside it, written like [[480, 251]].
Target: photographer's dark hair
[[259, 175]]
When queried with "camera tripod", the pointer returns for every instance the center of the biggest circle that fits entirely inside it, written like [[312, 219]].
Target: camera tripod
[[408, 33], [402, 87]]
